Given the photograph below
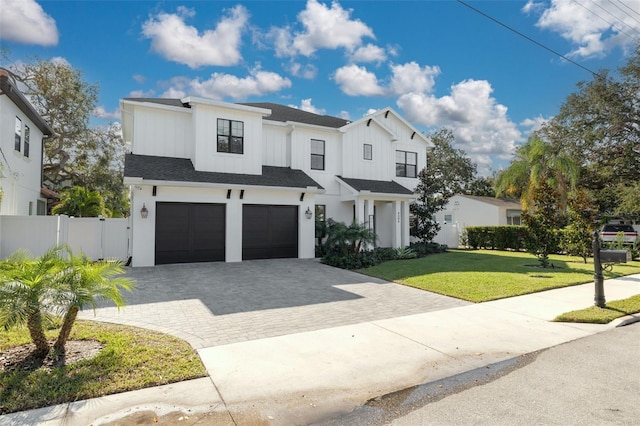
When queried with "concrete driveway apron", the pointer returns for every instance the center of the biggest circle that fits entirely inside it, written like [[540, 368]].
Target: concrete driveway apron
[[211, 304]]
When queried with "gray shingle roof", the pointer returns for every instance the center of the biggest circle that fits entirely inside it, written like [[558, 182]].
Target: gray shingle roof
[[278, 112], [500, 202], [182, 170], [284, 113], [377, 186]]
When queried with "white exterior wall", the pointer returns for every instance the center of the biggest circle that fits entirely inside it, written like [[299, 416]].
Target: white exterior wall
[[471, 212], [163, 132], [276, 149], [143, 235], [381, 166], [206, 157], [301, 155], [22, 176]]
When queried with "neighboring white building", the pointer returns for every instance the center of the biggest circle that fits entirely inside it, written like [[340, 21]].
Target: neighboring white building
[[467, 210], [217, 181], [22, 131]]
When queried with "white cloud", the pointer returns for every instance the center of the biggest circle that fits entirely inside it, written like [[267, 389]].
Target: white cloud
[[410, 77], [101, 112], [26, 22], [306, 105], [369, 53], [344, 115], [480, 124], [172, 38], [139, 78], [594, 27], [142, 93], [405, 78], [323, 28], [220, 85], [535, 123], [308, 71], [357, 81]]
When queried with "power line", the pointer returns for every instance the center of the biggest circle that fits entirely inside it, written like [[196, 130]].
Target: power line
[[612, 24], [627, 6], [530, 39], [625, 13]]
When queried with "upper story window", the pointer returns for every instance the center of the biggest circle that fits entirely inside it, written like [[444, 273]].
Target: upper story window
[[18, 142], [27, 136], [367, 151], [317, 154], [230, 136], [406, 164]]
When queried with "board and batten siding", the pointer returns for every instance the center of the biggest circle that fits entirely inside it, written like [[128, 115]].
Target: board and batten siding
[[301, 155], [276, 146], [162, 132], [382, 164], [206, 156]]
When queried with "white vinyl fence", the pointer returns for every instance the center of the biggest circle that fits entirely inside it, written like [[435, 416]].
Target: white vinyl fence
[[449, 235], [98, 238]]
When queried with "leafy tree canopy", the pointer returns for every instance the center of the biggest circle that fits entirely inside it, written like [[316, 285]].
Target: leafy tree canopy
[[449, 171], [80, 202], [77, 155]]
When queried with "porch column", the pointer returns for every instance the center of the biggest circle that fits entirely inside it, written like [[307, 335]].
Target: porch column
[[396, 240], [368, 211], [360, 211], [404, 218]]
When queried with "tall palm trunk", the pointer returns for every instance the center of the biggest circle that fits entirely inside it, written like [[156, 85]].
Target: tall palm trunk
[[36, 331], [65, 330]]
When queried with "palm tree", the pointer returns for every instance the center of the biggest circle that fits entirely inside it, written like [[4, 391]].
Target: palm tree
[[28, 292], [81, 202], [535, 161], [83, 283], [349, 239]]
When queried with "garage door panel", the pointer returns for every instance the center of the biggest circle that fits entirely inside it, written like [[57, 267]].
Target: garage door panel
[[269, 232], [190, 232]]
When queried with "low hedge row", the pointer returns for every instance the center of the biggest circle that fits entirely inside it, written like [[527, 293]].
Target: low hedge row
[[497, 237]]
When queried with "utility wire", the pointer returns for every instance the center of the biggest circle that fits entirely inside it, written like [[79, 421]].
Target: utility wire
[[625, 13], [627, 6], [612, 24], [595, 74]]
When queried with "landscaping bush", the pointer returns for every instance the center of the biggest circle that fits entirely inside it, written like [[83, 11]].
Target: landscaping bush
[[422, 249], [497, 237], [362, 259]]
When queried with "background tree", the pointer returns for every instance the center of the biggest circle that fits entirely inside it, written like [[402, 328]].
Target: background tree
[[449, 171], [599, 127], [543, 222], [77, 155], [577, 237], [535, 161], [80, 202], [481, 187]]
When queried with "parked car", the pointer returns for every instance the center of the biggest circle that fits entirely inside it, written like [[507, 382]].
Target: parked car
[[609, 233]]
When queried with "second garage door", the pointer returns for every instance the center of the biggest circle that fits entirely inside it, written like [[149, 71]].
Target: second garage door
[[190, 232], [269, 232]]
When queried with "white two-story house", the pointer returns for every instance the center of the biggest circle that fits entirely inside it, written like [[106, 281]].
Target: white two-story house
[[217, 181], [22, 131]]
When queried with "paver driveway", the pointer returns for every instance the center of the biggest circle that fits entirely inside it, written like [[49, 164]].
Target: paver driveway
[[210, 304]]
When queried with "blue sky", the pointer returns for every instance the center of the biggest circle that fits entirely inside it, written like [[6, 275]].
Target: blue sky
[[438, 63]]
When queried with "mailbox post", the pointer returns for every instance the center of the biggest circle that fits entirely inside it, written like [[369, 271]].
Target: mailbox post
[[597, 272]]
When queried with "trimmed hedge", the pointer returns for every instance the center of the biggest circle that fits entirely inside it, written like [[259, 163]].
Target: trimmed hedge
[[497, 237]]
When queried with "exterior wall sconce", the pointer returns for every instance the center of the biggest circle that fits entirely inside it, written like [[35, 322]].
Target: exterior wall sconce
[[308, 213], [144, 212]]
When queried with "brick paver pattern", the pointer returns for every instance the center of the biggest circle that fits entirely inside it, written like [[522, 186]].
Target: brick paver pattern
[[210, 304]]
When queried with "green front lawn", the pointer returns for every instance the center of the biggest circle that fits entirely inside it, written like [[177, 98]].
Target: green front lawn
[[132, 358], [595, 315], [483, 275]]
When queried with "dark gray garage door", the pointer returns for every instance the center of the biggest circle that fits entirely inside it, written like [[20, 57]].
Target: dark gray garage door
[[269, 232], [189, 232]]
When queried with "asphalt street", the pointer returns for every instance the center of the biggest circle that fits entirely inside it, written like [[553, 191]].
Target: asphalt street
[[591, 381]]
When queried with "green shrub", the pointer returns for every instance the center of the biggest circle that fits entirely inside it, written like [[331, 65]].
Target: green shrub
[[497, 237], [422, 249]]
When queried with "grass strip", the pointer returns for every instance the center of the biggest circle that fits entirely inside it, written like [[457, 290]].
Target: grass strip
[[484, 275], [133, 358], [595, 315]]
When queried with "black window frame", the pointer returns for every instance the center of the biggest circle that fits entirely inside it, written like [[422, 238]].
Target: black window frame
[[364, 151], [318, 156], [234, 142], [27, 138], [404, 168], [18, 135]]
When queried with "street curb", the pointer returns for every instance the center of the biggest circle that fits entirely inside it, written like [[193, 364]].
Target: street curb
[[626, 320]]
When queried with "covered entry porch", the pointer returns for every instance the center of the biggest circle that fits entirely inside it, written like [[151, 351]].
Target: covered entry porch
[[380, 205]]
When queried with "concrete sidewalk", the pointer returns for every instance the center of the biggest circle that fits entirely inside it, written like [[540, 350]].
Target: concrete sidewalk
[[307, 377]]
